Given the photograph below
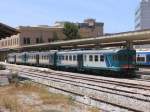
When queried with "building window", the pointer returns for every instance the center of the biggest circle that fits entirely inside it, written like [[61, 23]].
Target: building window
[[41, 40], [26, 40], [49, 40], [37, 40]]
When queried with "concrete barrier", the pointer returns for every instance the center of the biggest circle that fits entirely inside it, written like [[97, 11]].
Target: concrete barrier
[[4, 77]]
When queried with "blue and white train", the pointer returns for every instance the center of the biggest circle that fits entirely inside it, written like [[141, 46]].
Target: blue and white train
[[122, 61], [143, 57]]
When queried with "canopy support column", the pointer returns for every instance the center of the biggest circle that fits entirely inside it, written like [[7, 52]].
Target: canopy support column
[[129, 45]]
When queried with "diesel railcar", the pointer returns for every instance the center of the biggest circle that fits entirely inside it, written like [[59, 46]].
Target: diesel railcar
[[100, 61]]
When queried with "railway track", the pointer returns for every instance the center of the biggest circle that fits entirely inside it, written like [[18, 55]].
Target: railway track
[[140, 84], [125, 87], [135, 92]]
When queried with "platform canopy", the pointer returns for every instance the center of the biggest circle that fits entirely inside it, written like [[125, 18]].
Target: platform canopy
[[7, 31]]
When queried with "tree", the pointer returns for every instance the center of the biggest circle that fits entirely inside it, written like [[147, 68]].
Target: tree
[[71, 31]]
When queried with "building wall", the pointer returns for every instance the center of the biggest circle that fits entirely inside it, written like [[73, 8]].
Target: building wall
[[91, 32], [38, 35], [32, 35], [142, 19], [142, 15]]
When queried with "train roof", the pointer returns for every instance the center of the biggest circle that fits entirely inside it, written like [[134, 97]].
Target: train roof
[[143, 51], [92, 51]]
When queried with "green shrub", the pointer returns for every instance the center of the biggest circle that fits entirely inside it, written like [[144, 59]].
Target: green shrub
[[2, 67]]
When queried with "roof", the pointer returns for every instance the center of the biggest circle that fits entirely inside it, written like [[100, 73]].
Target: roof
[[7, 31], [90, 51]]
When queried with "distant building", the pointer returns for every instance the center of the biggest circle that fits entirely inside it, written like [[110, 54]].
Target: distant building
[[142, 15], [142, 19], [30, 35], [89, 28]]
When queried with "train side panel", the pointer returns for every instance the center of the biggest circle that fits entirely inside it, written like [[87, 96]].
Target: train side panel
[[143, 58], [67, 60], [47, 58]]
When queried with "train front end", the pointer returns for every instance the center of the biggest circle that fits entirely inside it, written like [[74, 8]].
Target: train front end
[[127, 61]]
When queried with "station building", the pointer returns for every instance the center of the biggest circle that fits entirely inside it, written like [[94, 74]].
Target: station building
[[32, 35], [6, 31]]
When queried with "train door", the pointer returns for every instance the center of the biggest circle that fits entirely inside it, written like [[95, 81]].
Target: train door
[[14, 59], [80, 61], [55, 56], [37, 59], [25, 58], [148, 59]]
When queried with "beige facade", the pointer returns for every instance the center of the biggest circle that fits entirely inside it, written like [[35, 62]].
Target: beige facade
[[10, 42], [30, 35]]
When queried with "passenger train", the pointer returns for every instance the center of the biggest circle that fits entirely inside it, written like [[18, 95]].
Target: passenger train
[[143, 57], [120, 61]]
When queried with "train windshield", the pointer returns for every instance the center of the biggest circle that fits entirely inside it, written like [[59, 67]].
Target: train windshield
[[128, 56], [125, 57]]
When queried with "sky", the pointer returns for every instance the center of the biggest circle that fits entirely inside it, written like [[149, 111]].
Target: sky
[[117, 15]]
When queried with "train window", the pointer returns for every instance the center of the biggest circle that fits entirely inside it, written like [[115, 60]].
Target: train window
[[115, 58], [123, 57], [84, 57], [62, 57], [101, 58], [59, 57], [51, 57], [96, 58], [66, 57], [74, 58], [148, 58], [141, 59], [70, 58], [90, 58]]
